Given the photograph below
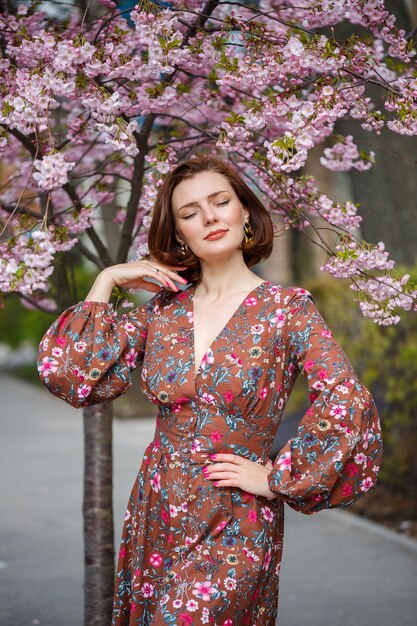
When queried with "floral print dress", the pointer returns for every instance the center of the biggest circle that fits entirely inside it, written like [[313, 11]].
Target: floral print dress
[[192, 553]]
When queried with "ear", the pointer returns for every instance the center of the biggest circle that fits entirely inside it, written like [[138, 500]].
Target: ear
[[246, 215]]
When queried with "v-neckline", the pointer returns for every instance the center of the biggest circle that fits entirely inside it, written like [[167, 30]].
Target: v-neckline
[[217, 337]]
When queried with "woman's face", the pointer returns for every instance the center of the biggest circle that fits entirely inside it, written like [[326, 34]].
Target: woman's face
[[204, 204]]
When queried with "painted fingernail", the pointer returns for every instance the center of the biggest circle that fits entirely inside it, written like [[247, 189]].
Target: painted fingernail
[[216, 483], [213, 456], [205, 470]]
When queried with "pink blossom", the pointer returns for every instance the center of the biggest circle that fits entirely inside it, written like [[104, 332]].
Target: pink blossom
[[216, 436], [338, 411], [156, 482], [204, 590], [284, 462], [147, 590], [47, 366], [367, 484], [52, 171], [155, 559], [84, 391]]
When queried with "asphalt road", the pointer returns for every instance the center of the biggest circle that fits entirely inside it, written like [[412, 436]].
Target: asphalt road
[[337, 570]]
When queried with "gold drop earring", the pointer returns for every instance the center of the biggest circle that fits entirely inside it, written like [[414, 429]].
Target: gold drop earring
[[248, 234]]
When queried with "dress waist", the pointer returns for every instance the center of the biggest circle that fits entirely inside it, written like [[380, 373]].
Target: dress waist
[[192, 456]]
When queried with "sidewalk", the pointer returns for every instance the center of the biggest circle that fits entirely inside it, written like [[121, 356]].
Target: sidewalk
[[338, 570]]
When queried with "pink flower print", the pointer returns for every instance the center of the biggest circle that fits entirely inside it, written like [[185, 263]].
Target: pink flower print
[[351, 469], [252, 516], [318, 385], [228, 622], [267, 559], [207, 359], [263, 393], [347, 489], [236, 359], [122, 552], [61, 341], [196, 445], [186, 619], [57, 352], [360, 458], [62, 320], [326, 333], [147, 590], [155, 559], [173, 510], [208, 397], [131, 358], [230, 584], [182, 400], [84, 391], [267, 513], [309, 365], [191, 605], [366, 484], [177, 603], [338, 411], [129, 327], [285, 462], [156, 482], [80, 346], [204, 590], [366, 438], [250, 301], [165, 516], [216, 436], [322, 374], [279, 318], [48, 365], [228, 396]]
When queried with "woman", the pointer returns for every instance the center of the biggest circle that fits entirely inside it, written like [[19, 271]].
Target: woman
[[202, 538]]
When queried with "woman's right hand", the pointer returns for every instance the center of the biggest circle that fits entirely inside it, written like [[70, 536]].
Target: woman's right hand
[[133, 275]]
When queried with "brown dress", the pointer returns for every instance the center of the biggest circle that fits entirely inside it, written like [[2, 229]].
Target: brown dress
[[192, 553]]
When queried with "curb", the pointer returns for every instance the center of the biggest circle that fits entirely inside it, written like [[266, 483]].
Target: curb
[[355, 521]]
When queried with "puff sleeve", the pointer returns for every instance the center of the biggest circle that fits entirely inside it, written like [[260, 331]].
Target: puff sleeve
[[334, 457], [87, 355]]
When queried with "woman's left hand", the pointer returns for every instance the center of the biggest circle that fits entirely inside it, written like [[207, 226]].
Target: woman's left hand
[[232, 470]]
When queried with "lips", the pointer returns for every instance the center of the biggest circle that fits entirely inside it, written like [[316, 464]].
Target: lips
[[215, 232]]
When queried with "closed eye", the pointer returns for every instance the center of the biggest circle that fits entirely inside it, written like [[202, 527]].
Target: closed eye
[[187, 217]]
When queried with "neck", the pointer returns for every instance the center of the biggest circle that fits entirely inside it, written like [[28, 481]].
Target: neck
[[225, 277]]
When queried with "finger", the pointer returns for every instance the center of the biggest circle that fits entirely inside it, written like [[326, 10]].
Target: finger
[[232, 458], [221, 472], [226, 483], [215, 467]]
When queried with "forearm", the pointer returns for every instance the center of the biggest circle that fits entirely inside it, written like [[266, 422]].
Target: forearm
[[101, 289]]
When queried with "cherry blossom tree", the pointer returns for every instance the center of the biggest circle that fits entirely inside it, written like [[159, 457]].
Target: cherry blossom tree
[[93, 109]]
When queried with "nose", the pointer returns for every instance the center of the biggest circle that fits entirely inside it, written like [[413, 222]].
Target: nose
[[208, 216]]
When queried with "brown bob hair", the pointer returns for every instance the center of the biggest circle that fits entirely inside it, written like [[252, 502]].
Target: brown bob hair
[[162, 241]]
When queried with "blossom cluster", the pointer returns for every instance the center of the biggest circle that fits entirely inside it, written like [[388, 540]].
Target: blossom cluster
[[79, 106], [26, 266], [345, 155], [52, 171]]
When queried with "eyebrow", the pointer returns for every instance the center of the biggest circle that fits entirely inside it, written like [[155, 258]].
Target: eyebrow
[[216, 193]]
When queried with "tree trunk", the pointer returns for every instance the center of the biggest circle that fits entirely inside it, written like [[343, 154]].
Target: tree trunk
[[98, 515]]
